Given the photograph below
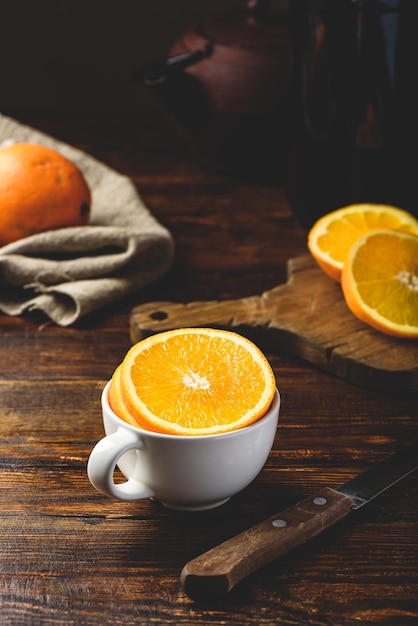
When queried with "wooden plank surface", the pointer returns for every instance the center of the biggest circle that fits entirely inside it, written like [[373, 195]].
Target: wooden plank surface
[[70, 556]]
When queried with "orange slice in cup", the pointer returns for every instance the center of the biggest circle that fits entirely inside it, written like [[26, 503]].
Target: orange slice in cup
[[196, 381], [116, 401]]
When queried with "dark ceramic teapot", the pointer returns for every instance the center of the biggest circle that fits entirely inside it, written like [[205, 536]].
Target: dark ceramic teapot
[[225, 83]]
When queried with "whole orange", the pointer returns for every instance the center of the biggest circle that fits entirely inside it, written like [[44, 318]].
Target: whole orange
[[40, 190]]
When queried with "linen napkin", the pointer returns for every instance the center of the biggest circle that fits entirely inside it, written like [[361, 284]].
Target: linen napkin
[[69, 272]]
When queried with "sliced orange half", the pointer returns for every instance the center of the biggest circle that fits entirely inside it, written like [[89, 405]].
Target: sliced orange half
[[196, 381], [331, 237], [380, 282]]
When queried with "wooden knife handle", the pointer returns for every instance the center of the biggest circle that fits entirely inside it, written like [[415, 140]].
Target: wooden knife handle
[[217, 571]]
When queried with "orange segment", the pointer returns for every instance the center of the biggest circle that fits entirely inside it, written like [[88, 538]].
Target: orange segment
[[332, 236], [196, 381], [380, 282]]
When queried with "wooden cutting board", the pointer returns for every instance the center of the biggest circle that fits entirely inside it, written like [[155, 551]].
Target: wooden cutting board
[[306, 317]]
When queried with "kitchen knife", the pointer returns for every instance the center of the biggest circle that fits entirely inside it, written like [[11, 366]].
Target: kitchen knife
[[217, 571]]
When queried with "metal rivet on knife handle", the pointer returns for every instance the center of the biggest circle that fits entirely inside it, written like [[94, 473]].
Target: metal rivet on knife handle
[[279, 523]]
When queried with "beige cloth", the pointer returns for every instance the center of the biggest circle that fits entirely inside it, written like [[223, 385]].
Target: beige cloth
[[70, 272]]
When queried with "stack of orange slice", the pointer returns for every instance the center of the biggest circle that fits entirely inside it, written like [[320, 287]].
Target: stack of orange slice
[[373, 251], [192, 381]]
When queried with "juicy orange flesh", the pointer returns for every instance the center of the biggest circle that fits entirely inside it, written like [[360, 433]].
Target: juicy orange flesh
[[180, 382], [344, 231], [386, 275]]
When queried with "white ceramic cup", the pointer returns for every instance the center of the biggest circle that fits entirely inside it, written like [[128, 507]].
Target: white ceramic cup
[[182, 472]]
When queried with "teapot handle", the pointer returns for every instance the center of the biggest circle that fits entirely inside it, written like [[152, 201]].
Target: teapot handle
[[157, 71]]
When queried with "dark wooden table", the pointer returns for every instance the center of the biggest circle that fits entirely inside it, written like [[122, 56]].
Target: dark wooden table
[[72, 556]]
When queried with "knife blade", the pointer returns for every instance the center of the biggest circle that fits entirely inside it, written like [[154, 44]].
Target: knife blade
[[218, 570]]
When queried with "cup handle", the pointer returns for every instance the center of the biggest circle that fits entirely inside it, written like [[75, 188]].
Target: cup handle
[[102, 463]]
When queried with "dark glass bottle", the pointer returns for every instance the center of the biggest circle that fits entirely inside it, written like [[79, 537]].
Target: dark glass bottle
[[354, 90]]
